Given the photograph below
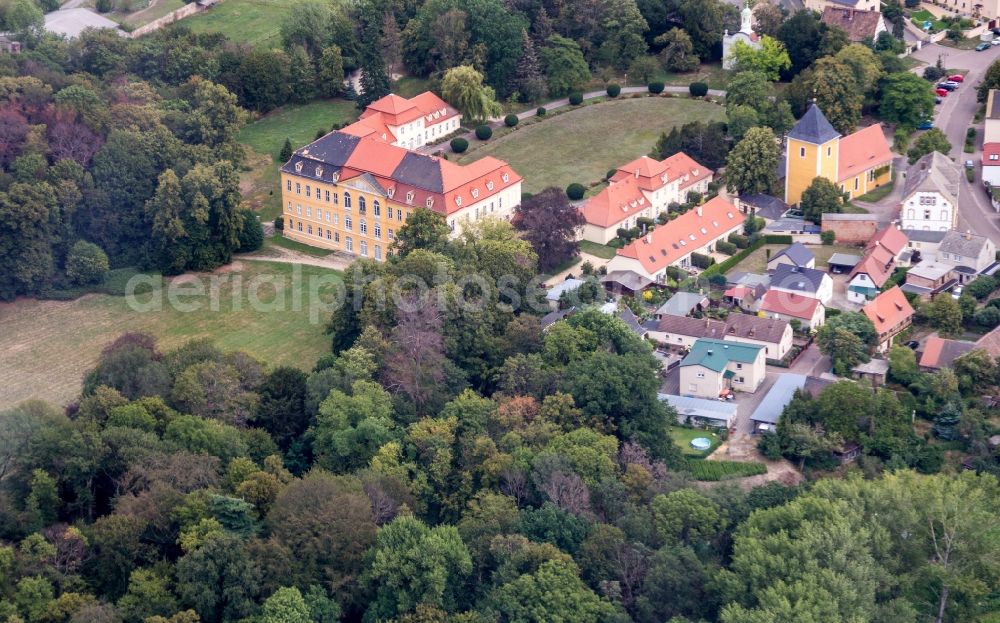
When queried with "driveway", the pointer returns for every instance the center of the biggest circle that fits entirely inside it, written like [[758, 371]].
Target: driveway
[[954, 116]]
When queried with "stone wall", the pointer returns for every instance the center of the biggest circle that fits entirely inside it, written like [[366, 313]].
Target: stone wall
[[853, 231], [185, 11]]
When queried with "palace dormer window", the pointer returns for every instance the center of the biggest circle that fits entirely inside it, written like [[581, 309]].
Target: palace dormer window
[[298, 167], [319, 171], [475, 193], [489, 186], [458, 201], [391, 191], [505, 178], [430, 202], [409, 196]]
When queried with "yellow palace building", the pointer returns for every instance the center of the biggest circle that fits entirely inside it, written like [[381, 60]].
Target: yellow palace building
[[858, 163]]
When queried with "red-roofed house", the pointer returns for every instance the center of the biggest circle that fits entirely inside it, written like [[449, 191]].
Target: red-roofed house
[[891, 314], [810, 313], [695, 231], [880, 260], [941, 353], [351, 193], [991, 164], [642, 188], [409, 123]]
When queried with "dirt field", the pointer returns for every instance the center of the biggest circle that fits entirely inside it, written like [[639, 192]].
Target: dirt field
[[48, 346]]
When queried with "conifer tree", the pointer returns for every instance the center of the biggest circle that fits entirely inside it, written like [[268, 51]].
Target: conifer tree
[[286, 151], [530, 81]]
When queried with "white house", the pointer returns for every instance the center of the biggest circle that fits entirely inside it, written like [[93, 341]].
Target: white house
[[930, 194], [969, 253], [409, 123], [715, 367], [671, 244], [807, 282], [809, 312], [795, 254]]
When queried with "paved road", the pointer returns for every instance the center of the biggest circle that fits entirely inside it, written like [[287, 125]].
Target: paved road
[[954, 117], [561, 103]]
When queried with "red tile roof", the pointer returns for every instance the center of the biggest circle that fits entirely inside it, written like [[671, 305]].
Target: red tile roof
[[688, 232], [650, 174], [877, 264], [891, 238], [615, 203], [990, 150], [684, 166], [393, 110], [788, 304], [939, 352], [863, 150], [888, 310]]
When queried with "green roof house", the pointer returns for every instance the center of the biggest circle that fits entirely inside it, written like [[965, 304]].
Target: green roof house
[[715, 368]]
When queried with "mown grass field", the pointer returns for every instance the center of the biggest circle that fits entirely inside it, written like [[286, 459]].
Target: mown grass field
[[683, 437], [265, 136], [256, 22], [48, 346], [582, 144]]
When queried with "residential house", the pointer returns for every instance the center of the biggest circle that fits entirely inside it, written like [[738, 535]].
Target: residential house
[[768, 412], [991, 124], [930, 194], [744, 35], [350, 194], [773, 334], [766, 207], [740, 278], [682, 304], [713, 368], [642, 188], [881, 257], [627, 316], [857, 163], [991, 162], [796, 254], [860, 25], [804, 281], [407, 123], [940, 353], [553, 317], [990, 343], [809, 312], [671, 244], [891, 314], [700, 411], [928, 278], [969, 253], [625, 282], [746, 298], [862, 5], [874, 371], [923, 244]]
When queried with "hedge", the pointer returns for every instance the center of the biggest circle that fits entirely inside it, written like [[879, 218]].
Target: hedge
[[656, 88], [614, 90], [575, 99], [114, 283], [778, 239], [484, 132], [510, 120], [726, 265], [541, 111], [698, 89], [701, 261], [575, 191], [726, 247], [739, 240], [723, 470], [459, 144]]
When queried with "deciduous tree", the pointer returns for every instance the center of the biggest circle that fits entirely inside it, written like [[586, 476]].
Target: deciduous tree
[[549, 222], [751, 165]]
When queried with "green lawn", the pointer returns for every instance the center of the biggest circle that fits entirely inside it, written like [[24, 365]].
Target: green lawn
[[49, 345], [254, 22], [279, 240], [408, 86], [600, 250], [879, 193], [581, 145], [756, 262], [683, 436], [850, 208], [264, 137]]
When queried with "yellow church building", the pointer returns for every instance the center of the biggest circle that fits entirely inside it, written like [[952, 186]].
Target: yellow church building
[[857, 163]]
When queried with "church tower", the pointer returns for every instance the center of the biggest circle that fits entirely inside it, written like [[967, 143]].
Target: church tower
[[812, 150], [745, 34]]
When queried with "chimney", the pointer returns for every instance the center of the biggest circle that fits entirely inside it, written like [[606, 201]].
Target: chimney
[[736, 203], [649, 238], [698, 210], [968, 234]]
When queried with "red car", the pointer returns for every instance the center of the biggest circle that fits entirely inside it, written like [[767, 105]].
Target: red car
[[957, 78], [941, 92]]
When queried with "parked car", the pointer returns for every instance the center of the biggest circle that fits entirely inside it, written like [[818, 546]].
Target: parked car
[[995, 41], [926, 125], [947, 86], [913, 344], [960, 77], [937, 100], [970, 165], [982, 46], [941, 92], [956, 292]]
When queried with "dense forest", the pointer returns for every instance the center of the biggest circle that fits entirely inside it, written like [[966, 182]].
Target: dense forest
[[452, 462]]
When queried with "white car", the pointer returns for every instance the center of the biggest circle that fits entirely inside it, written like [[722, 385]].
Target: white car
[[995, 41], [956, 292]]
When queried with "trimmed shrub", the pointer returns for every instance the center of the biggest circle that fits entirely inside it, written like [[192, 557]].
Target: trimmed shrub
[[459, 144], [702, 261], [484, 132], [828, 236], [698, 89], [932, 72], [86, 263], [104, 6], [575, 191], [981, 287], [510, 121], [614, 90], [988, 317], [778, 239], [739, 240], [575, 99], [279, 223], [656, 88], [726, 247], [541, 111]]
